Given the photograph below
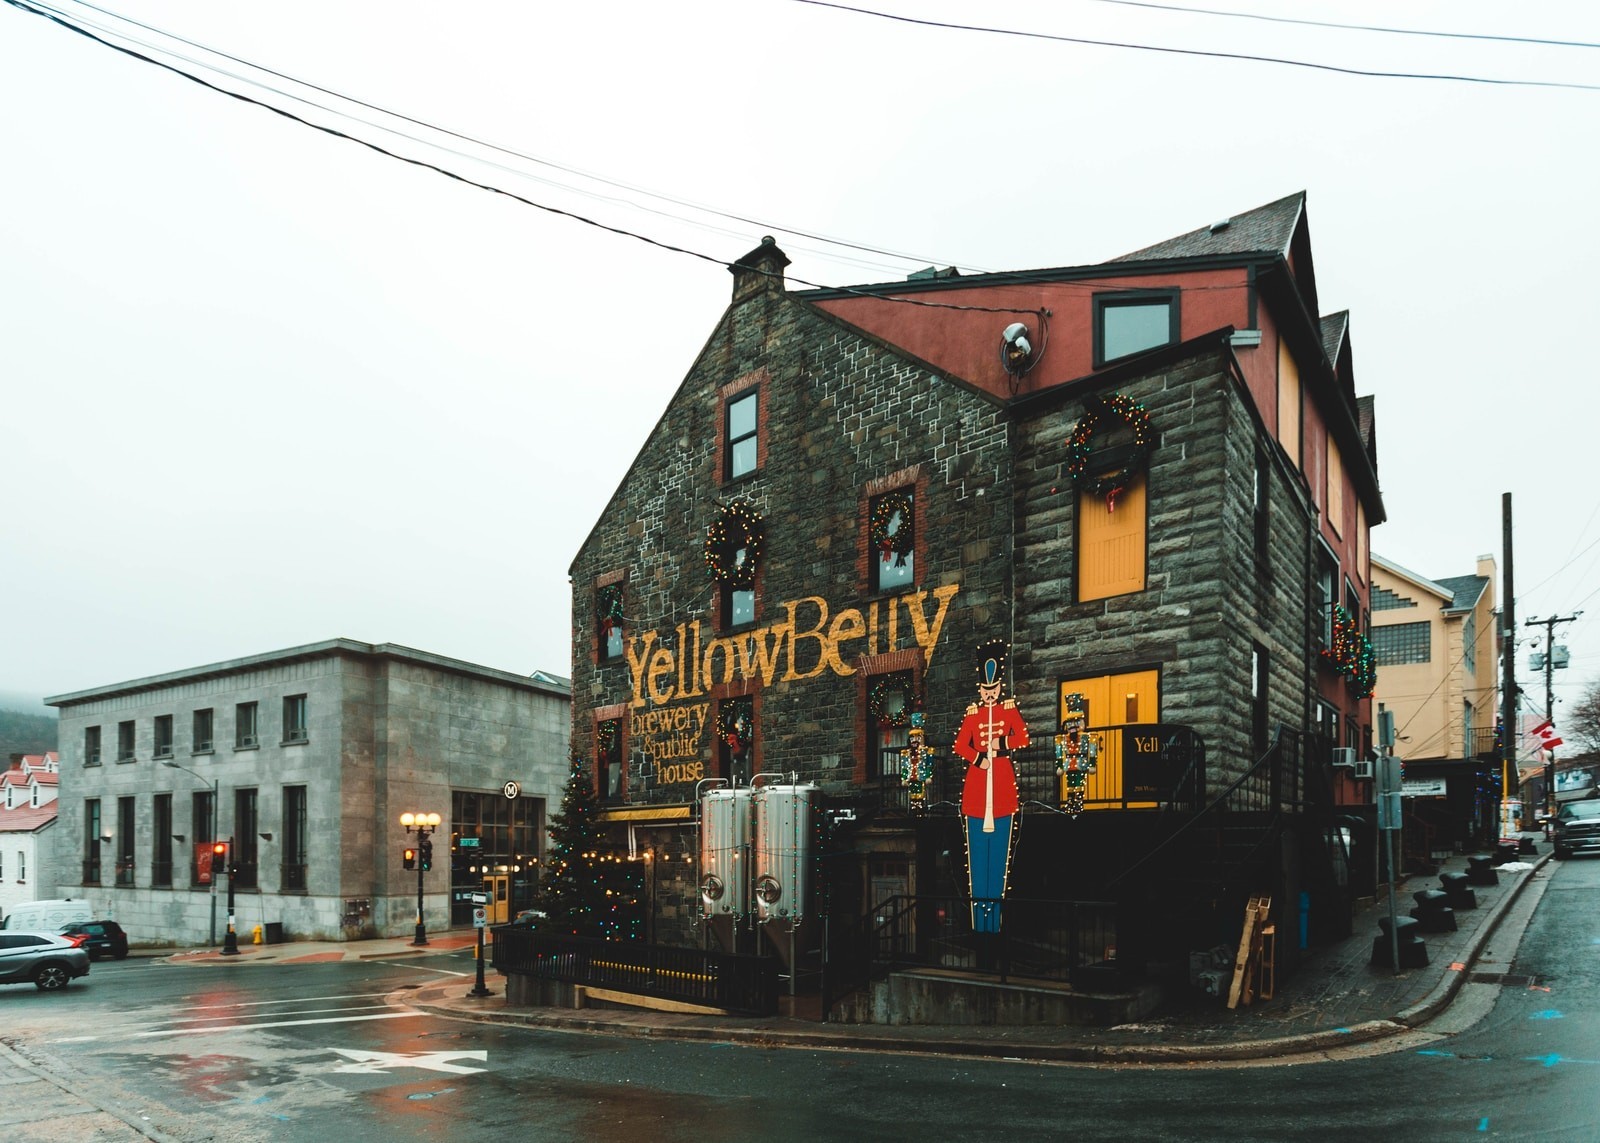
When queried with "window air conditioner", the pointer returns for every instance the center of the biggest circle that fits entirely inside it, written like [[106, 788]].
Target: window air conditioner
[[247, 740], [1344, 756], [1363, 768]]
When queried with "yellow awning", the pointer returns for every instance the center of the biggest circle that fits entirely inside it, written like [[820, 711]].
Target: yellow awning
[[645, 814]]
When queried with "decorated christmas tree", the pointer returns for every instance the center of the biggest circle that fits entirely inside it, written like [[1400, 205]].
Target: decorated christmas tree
[[587, 892]]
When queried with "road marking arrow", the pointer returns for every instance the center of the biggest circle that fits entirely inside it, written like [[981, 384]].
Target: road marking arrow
[[378, 1063]]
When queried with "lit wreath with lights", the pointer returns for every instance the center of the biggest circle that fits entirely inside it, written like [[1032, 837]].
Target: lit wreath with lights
[[898, 543], [737, 528], [1351, 654], [608, 608], [736, 725], [605, 733], [1080, 446], [882, 691]]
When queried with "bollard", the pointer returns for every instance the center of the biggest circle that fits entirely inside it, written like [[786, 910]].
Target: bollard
[[1480, 870], [1458, 894], [1433, 912], [1413, 952]]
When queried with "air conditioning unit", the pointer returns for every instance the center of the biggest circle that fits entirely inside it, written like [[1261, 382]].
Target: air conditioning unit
[[1363, 768], [1344, 756], [247, 740]]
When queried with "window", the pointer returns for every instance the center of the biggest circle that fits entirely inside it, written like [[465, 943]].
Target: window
[[294, 839], [202, 731], [738, 607], [608, 759], [22, 867], [1133, 322], [294, 718], [1326, 596], [161, 856], [163, 736], [736, 737], [1335, 488], [91, 746], [125, 741], [1262, 518], [203, 817], [1469, 643], [245, 847], [1401, 643], [1466, 729], [244, 726], [1111, 542], [91, 841], [609, 622], [889, 720], [743, 443], [1385, 600], [123, 842], [891, 542], [1258, 700], [1289, 403]]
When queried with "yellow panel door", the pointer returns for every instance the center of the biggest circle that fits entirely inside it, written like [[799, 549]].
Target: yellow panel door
[[1113, 701], [1111, 543]]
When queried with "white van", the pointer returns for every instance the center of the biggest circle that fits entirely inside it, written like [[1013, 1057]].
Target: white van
[[46, 916]]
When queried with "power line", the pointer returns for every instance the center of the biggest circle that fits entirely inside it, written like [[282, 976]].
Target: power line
[[1200, 52], [1349, 27]]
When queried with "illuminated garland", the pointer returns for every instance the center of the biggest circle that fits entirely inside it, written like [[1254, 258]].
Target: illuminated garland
[[1080, 447], [608, 608], [885, 688], [605, 734], [899, 542], [1075, 754], [737, 528], [736, 724], [1351, 653]]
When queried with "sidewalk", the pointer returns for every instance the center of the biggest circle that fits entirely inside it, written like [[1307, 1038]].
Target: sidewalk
[[1334, 999]]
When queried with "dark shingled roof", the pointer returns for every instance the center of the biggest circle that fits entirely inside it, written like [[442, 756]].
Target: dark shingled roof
[[1365, 422], [1334, 327], [1467, 589], [1266, 229]]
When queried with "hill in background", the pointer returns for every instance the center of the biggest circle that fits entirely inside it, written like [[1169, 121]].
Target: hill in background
[[22, 733]]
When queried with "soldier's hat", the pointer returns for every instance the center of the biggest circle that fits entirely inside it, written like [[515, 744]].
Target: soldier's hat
[[991, 662]]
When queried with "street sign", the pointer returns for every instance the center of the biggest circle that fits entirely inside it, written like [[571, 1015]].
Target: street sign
[[468, 842], [511, 789], [480, 898], [480, 917]]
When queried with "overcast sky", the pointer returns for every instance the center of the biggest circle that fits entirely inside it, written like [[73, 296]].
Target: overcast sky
[[264, 386]]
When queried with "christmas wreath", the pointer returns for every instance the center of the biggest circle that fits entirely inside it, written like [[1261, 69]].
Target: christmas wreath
[[608, 608], [1108, 479], [882, 691], [1351, 654], [736, 724], [605, 734], [733, 544], [887, 536]]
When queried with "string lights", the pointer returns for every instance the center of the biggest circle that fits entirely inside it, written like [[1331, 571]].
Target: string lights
[[1109, 477]]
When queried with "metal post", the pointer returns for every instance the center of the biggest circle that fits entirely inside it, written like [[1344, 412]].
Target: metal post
[[479, 989], [212, 943], [230, 943], [422, 929]]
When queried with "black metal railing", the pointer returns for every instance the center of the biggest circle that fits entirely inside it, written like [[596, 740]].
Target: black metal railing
[[1484, 743], [1038, 939], [743, 984]]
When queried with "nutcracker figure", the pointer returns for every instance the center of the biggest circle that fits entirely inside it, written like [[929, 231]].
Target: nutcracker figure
[[991, 730]]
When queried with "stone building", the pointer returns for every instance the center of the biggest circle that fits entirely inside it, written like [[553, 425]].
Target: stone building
[[1150, 477], [304, 759]]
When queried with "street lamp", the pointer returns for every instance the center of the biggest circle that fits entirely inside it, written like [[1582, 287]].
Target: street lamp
[[213, 837], [423, 825]]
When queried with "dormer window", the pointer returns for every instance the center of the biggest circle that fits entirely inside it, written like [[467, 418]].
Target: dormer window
[[1133, 321]]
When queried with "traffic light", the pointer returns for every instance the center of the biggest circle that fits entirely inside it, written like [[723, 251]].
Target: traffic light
[[427, 854], [410, 857]]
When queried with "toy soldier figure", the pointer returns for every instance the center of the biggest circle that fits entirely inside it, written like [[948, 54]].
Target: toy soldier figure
[[991, 730]]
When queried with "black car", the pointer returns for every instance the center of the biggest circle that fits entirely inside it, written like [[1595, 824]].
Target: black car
[[1577, 828], [99, 938]]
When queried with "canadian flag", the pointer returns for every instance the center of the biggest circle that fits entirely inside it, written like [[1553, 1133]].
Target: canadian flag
[[1545, 732]]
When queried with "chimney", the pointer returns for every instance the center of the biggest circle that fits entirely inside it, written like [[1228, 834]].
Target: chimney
[[761, 269]]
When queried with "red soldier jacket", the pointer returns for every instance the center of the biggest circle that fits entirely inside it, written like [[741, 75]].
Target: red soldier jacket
[[1001, 721]]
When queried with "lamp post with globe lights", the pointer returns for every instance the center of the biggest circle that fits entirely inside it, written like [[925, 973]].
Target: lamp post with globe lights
[[422, 825]]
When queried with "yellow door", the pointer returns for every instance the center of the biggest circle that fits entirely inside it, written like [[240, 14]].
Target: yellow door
[[1111, 543], [1113, 700], [498, 887]]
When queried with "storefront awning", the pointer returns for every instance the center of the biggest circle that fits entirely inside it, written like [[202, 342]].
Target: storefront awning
[[646, 814]]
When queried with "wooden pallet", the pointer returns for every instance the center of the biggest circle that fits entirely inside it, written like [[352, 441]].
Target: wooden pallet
[[1247, 963]]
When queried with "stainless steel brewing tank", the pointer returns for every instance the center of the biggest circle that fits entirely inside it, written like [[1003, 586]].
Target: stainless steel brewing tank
[[725, 852], [785, 824]]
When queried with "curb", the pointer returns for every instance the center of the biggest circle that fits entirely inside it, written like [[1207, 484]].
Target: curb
[[1328, 1039]]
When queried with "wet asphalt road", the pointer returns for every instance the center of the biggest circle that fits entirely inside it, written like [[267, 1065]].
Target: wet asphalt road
[[313, 1052]]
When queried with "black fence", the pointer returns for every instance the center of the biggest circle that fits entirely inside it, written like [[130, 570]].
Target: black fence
[[743, 984], [1071, 941]]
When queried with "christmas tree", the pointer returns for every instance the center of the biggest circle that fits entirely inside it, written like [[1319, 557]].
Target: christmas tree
[[587, 891]]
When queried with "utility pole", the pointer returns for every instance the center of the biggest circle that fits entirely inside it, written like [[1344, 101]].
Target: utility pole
[[1508, 671], [1549, 626]]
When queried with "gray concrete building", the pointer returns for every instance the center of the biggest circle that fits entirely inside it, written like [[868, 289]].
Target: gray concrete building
[[304, 760]]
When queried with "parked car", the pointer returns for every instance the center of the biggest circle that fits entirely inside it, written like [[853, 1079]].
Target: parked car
[[98, 938], [48, 960], [1577, 828]]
